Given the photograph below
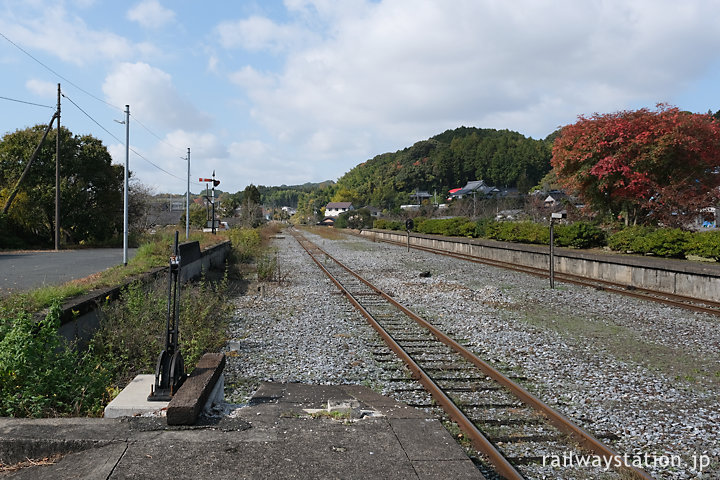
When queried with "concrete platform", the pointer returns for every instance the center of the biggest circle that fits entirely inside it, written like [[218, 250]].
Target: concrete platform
[[287, 431], [133, 399]]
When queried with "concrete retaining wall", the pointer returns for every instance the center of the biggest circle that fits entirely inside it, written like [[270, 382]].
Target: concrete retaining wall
[[79, 318], [681, 277]]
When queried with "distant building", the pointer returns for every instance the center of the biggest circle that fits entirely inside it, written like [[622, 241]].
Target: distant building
[[555, 198], [374, 211], [333, 209], [419, 196], [478, 187], [327, 222]]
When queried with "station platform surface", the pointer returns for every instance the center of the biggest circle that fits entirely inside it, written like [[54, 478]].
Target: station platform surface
[[286, 431]]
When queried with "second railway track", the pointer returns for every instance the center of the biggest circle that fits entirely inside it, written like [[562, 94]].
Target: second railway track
[[515, 431], [681, 301]]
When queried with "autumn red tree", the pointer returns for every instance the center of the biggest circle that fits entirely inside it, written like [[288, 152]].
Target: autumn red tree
[[646, 166]]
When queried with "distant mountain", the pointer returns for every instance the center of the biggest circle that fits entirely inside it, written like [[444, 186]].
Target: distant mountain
[[502, 158], [287, 196]]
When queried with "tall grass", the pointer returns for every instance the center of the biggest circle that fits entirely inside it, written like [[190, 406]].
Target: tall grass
[[42, 375]]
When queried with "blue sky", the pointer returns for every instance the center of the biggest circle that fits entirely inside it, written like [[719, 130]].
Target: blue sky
[[287, 92]]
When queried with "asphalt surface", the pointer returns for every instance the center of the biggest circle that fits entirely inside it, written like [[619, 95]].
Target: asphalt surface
[[24, 270]]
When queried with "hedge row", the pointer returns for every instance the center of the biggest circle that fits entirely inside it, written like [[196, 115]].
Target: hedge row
[[666, 242], [672, 243]]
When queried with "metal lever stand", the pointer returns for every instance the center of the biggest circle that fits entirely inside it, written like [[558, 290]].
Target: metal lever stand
[[170, 370]]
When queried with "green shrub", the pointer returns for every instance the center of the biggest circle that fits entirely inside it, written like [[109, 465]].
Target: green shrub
[[484, 227], [663, 242], [467, 229], [452, 227], [132, 329], [522, 232], [579, 235], [267, 266], [626, 240], [341, 221], [357, 219], [704, 244], [41, 375], [246, 243], [384, 224]]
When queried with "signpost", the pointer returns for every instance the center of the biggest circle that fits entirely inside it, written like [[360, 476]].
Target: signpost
[[215, 183], [553, 217], [409, 225]]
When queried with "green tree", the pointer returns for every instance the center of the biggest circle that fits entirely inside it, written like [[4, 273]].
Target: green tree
[[448, 160], [90, 187], [198, 216], [251, 209], [229, 202]]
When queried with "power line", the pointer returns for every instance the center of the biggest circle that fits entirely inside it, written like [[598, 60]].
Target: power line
[[79, 88], [91, 118], [87, 114], [57, 74], [156, 166], [23, 101], [85, 92], [155, 135], [120, 141]]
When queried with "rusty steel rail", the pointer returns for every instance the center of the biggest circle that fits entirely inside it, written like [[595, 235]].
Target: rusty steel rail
[[479, 441], [680, 301]]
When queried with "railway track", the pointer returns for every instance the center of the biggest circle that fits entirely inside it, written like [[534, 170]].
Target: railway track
[[519, 435], [689, 303]]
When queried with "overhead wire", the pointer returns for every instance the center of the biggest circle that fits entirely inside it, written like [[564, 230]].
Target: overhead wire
[[88, 115], [155, 135], [57, 74], [91, 118], [120, 141], [27, 103], [81, 89]]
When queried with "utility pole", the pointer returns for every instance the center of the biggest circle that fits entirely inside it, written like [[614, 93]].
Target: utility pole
[[57, 176], [187, 200], [125, 192]]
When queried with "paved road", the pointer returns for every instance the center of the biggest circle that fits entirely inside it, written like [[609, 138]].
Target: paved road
[[25, 270]]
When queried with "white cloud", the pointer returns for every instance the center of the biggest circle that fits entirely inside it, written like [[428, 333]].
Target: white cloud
[[395, 70], [150, 14], [152, 97], [254, 161], [261, 34], [42, 88], [52, 29], [249, 78], [203, 145], [207, 153]]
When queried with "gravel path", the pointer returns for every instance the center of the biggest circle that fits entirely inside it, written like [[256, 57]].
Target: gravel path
[[643, 375]]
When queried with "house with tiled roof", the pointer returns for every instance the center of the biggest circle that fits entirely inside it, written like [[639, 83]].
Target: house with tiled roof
[[333, 209]]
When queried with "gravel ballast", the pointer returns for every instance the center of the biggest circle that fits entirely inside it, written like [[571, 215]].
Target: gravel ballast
[[643, 376]]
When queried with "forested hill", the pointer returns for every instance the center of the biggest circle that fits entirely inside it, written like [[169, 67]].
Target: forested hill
[[500, 157]]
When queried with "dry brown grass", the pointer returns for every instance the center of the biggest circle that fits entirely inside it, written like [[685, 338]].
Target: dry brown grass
[[326, 232], [4, 468]]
